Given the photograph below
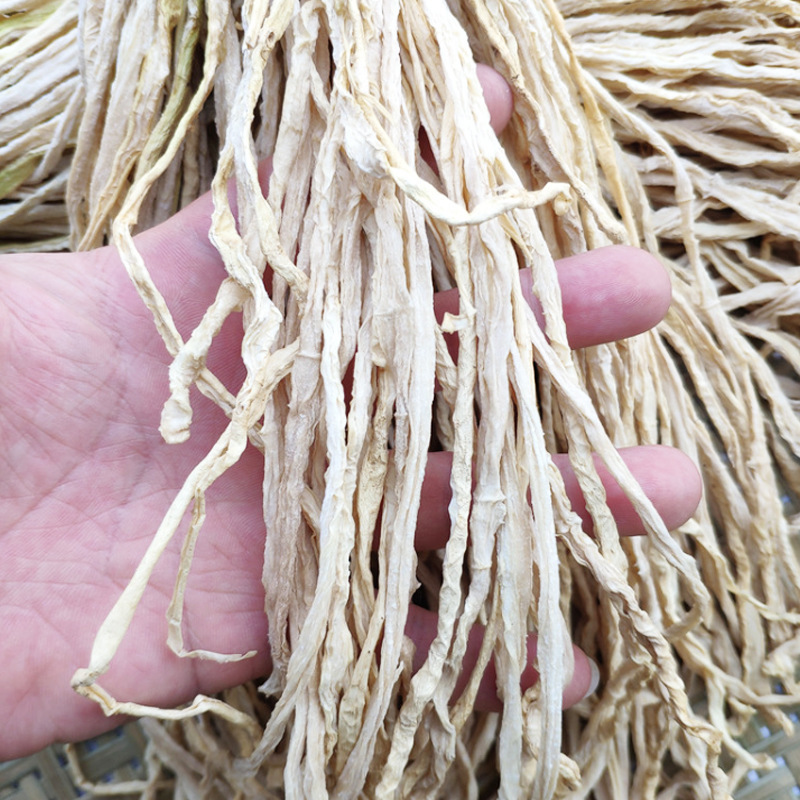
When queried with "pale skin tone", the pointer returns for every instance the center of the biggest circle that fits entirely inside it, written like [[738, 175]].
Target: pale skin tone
[[85, 477]]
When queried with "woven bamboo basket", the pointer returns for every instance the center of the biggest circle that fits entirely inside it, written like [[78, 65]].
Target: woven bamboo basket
[[60, 773], [105, 766]]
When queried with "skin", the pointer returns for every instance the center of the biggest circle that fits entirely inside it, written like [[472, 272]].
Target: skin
[[85, 477]]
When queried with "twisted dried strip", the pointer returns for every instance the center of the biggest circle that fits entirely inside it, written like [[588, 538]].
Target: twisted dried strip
[[222, 456], [105, 154], [319, 255], [643, 625], [428, 680], [200, 705]]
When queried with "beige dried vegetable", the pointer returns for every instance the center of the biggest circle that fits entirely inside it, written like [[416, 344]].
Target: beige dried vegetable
[[674, 126]]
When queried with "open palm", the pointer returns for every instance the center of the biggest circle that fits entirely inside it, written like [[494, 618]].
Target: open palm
[[85, 480]]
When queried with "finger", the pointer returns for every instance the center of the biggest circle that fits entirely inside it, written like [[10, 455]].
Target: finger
[[499, 100], [421, 628], [498, 96], [668, 477], [608, 294]]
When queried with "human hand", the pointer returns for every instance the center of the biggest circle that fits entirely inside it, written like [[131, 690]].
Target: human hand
[[85, 477]]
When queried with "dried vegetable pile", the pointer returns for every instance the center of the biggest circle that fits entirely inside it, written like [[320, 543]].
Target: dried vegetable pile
[[671, 125]]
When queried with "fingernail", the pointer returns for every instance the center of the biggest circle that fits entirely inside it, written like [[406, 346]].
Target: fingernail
[[595, 681]]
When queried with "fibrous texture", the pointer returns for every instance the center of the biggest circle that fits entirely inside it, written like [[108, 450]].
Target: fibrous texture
[[674, 126], [41, 97]]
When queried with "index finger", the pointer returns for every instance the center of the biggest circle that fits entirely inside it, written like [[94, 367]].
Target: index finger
[[608, 294]]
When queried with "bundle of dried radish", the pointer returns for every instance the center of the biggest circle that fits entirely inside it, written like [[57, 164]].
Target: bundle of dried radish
[[41, 97], [670, 125]]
